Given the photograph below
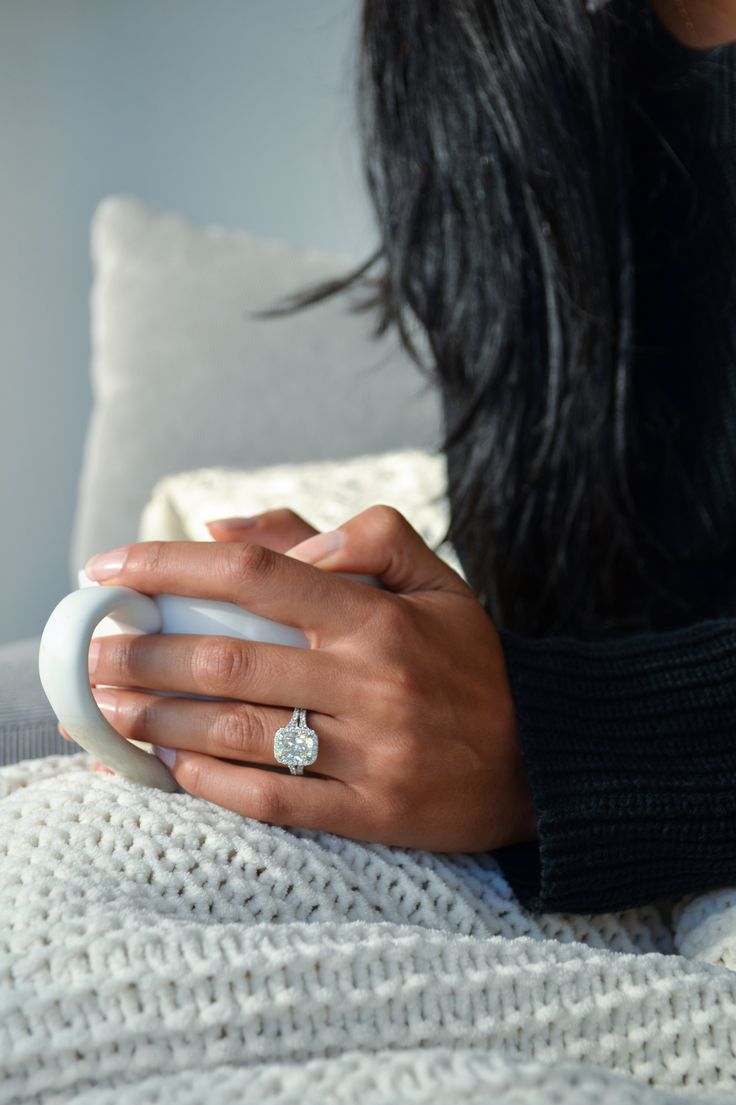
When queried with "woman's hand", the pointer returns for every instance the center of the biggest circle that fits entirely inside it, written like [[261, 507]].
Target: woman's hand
[[406, 687], [274, 529]]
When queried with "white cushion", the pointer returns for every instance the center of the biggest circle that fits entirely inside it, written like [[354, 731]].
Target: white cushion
[[325, 493], [184, 375]]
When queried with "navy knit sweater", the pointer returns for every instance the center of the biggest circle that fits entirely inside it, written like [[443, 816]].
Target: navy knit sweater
[[630, 744]]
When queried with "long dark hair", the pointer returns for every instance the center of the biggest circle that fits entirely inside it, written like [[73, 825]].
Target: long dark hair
[[497, 153]]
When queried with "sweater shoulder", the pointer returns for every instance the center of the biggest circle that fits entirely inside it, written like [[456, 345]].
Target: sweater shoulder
[[680, 87]]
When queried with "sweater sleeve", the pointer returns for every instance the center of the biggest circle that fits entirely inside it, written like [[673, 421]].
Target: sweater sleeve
[[630, 748]]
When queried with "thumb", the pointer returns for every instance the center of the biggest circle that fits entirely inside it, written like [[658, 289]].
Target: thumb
[[380, 542]]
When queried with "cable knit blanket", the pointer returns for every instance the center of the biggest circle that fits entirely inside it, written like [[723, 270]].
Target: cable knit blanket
[[157, 949]]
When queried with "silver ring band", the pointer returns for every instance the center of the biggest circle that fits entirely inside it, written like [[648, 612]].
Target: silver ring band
[[296, 745]]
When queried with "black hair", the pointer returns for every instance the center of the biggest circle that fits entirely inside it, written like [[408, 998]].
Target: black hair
[[495, 136]]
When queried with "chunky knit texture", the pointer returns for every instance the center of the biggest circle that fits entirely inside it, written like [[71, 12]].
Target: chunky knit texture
[[631, 755], [155, 948]]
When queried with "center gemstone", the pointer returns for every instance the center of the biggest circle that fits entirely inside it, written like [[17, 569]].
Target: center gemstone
[[295, 746]]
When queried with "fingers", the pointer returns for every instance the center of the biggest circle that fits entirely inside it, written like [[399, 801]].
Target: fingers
[[241, 731], [224, 667], [380, 542], [308, 801], [264, 582], [274, 529], [277, 798]]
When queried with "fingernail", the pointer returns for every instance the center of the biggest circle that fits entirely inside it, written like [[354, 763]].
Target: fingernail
[[166, 755], [233, 523], [319, 548], [106, 565], [93, 656], [107, 702]]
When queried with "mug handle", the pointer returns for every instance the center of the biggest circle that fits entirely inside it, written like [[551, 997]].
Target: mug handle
[[62, 666]]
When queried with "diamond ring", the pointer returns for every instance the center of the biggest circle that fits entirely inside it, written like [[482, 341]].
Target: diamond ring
[[296, 745]]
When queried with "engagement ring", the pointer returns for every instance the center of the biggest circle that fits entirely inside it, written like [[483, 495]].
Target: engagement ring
[[296, 744]]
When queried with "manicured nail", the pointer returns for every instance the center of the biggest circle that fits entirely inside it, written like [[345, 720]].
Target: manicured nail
[[166, 755], [234, 523], [107, 702], [107, 565], [316, 550]]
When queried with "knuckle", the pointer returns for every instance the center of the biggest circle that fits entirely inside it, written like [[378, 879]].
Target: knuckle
[[387, 520], [402, 688], [268, 805], [152, 556], [397, 701], [399, 755], [221, 664], [247, 563], [119, 655], [143, 723], [240, 731], [190, 774]]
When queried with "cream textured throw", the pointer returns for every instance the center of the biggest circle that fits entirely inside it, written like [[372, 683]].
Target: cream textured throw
[[325, 493], [155, 948]]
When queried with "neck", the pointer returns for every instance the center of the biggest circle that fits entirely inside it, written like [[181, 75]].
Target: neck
[[698, 23]]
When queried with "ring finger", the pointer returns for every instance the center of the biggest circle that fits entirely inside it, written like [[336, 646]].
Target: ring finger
[[224, 667], [240, 731]]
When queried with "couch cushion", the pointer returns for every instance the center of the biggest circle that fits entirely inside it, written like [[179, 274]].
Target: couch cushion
[[184, 376], [325, 493]]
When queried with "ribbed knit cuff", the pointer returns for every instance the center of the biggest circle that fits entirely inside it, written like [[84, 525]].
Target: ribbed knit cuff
[[630, 747]]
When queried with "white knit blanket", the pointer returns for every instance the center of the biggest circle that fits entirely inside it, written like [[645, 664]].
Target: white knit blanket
[[157, 949]]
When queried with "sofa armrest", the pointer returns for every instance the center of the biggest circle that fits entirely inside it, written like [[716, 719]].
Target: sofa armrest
[[27, 722]]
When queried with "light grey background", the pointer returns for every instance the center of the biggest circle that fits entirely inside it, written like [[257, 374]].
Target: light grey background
[[237, 112]]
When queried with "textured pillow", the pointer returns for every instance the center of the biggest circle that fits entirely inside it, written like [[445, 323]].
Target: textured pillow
[[184, 375], [325, 493]]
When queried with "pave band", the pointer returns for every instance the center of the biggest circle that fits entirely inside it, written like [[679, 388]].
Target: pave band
[[296, 745]]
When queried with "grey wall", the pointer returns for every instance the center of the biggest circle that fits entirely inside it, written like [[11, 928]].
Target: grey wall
[[237, 112]]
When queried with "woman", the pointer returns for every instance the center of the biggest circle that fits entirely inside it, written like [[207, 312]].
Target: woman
[[553, 188]]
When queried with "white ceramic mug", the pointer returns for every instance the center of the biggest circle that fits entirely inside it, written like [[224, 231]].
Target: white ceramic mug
[[96, 611]]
